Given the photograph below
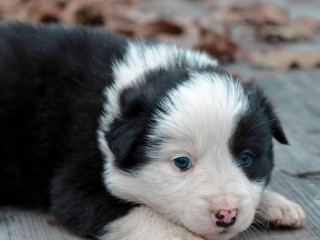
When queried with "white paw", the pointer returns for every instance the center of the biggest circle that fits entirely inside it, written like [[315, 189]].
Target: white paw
[[281, 212]]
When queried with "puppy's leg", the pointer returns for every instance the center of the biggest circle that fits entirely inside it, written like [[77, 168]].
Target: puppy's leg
[[278, 211], [143, 223]]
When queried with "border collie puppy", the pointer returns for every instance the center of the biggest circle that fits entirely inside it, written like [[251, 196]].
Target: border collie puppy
[[133, 140]]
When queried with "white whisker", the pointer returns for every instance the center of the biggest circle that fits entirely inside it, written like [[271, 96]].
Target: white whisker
[[262, 123]]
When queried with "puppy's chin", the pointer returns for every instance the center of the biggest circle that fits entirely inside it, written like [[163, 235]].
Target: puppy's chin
[[221, 235]]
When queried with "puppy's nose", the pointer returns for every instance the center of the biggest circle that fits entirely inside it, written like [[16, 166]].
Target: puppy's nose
[[224, 217]]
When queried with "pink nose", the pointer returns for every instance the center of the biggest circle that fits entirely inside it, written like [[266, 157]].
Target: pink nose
[[225, 217]]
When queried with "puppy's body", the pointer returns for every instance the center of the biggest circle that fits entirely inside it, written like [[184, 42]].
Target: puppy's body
[[92, 126]]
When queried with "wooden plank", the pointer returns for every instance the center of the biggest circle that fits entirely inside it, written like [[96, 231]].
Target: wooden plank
[[30, 225], [296, 96]]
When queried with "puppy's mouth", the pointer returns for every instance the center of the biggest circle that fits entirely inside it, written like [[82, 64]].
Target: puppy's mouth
[[220, 234], [224, 231]]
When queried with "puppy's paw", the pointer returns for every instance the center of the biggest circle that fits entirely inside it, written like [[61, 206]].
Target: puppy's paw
[[278, 211]]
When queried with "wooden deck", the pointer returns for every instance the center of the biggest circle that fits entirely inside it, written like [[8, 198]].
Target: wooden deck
[[296, 96]]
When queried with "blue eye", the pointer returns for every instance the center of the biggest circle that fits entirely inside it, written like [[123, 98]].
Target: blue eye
[[183, 163], [245, 159]]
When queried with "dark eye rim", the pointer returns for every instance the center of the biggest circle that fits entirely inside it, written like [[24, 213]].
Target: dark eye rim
[[252, 156], [183, 169]]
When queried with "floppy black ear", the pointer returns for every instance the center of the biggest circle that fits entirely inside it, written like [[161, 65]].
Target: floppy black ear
[[276, 127], [126, 133], [278, 132], [122, 136]]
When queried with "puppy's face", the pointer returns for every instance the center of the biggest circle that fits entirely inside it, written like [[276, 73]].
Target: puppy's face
[[197, 149]]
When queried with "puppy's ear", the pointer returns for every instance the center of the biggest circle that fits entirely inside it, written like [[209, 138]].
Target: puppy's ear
[[122, 137], [278, 132], [276, 127], [127, 133]]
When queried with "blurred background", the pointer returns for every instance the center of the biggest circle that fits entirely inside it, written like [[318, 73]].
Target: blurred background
[[246, 35]]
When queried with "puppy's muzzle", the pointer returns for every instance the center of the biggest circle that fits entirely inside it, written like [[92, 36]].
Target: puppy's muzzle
[[224, 217]]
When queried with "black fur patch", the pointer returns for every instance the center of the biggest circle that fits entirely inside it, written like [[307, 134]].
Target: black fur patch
[[51, 95], [254, 131], [127, 135]]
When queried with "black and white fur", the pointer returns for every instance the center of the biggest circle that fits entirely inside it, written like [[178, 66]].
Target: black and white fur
[[90, 124]]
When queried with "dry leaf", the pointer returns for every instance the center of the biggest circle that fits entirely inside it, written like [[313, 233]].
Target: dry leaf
[[86, 12], [301, 29], [122, 27], [35, 10], [151, 29], [182, 31], [44, 12], [218, 46], [306, 174], [278, 58], [13, 10], [266, 13], [136, 15], [222, 18]]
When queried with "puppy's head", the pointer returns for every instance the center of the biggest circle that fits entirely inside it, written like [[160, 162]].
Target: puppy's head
[[194, 145]]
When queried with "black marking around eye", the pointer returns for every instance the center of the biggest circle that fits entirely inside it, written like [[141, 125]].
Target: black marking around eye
[[253, 132]]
